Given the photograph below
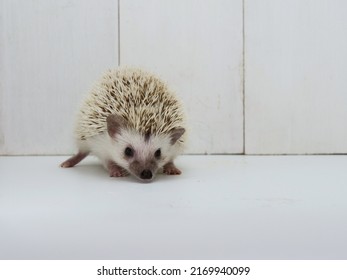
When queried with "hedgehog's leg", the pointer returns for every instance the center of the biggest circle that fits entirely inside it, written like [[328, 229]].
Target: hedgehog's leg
[[171, 169], [115, 170], [72, 161]]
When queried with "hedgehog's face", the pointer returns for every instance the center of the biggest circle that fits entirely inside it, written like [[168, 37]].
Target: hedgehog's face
[[141, 155]]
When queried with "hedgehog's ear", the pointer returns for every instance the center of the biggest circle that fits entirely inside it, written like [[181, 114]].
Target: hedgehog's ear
[[176, 133], [114, 124]]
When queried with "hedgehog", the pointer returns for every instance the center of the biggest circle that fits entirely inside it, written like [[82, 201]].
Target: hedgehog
[[133, 123]]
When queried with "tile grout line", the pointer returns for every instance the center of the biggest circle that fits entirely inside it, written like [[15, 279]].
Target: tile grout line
[[243, 77], [118, 33]]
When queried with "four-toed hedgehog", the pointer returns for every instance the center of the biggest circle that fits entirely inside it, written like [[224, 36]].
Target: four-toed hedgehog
[[133, 123]]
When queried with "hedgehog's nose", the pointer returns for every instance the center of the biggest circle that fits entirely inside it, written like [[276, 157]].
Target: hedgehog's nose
[[146, 174]]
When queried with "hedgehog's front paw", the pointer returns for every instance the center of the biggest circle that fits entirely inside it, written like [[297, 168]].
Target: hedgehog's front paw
[[118, 173], [171, 169], [115, 170]]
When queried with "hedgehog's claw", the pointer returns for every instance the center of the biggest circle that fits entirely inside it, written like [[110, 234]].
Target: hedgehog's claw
[[171, 169]]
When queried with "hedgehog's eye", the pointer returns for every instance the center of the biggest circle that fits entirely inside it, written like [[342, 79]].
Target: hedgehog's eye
[[128, 152], [157, 153]]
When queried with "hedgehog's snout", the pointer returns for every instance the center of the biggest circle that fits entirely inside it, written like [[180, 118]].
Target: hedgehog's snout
[[146, 174], [143, 171]]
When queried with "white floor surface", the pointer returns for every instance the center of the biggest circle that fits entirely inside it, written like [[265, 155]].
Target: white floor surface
[[221, 207]]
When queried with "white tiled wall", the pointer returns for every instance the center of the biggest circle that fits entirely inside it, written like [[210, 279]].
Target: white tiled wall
[[197, 46], [296, 85], [51, 51], [295, 55]]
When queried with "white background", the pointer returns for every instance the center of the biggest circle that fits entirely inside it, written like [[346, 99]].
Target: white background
[[260, 77], [219, 208]]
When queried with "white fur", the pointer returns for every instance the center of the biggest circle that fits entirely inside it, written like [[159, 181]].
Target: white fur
[[106, 148]]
